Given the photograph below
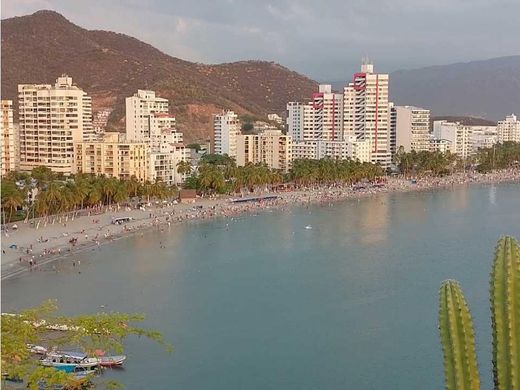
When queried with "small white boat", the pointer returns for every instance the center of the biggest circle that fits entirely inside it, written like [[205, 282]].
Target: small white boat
[[37, 349], [308, 227], [70, 361], [111, 361]]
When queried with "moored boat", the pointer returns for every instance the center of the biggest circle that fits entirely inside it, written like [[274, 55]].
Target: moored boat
[[70, 361], [111, 361]]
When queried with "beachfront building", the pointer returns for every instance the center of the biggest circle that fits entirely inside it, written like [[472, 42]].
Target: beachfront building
[[321, 118], [350, 148], [509, 129], [366, 112], [51, 119], [440, 145], [163, 165], [7, 138], [483, 137], [458, 135], [271, 147], [226, 128], [112, 156], [412, 128], [139, 109], [392, 125]]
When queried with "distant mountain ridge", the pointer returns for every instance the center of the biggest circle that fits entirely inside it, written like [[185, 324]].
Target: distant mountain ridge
[[109, 66], [487, 89]]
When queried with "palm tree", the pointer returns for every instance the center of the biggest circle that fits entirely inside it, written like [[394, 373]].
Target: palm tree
[[184, 168], [12, 198], [133, 186]]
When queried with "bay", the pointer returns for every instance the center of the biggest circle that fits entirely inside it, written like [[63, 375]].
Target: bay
[[261, 302]]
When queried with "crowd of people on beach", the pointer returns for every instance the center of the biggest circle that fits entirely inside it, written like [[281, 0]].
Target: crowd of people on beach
[[163, 215]]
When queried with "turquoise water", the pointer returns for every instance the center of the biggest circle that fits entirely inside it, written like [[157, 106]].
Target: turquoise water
[[260, 302]]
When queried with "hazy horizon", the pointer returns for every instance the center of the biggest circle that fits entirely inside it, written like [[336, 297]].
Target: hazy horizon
[[323, 42]]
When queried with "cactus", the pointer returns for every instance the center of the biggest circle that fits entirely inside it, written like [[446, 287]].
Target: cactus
[[457, 338], [505, 314]]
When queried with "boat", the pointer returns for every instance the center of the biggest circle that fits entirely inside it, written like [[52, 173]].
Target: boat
[[70, 361], [308, 227], [111, 361], [37, 349]]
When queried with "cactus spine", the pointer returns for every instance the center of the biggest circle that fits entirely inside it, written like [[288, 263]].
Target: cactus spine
[[457, 338], [505, 314]]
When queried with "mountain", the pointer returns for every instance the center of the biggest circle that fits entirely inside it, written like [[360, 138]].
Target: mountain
[[489, 89], [109, 66]]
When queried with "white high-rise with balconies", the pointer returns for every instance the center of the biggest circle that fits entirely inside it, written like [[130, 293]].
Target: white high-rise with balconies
[[366, 112], [412, 128], [226, 127], [509, 129], [140, 109], [51, 119], [7, 138]]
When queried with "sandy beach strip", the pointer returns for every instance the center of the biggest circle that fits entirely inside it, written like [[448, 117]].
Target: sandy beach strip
[[36, 243]]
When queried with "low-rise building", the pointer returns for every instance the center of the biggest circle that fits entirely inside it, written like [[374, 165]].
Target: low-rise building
[[271, 147], [112, 156]]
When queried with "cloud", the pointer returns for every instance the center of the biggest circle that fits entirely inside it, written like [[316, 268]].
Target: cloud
[[323, 39]]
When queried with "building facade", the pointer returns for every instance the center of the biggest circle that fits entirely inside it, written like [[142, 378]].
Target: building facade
[[412, 128], [226, 127], [366, 112], [112, 156], [139, 109], [509, 129], [455, 134], [8, 140], [271, 147], [51, 119]]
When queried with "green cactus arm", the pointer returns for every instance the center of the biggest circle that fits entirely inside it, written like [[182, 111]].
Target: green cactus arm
[[505, 314], [457, 339]]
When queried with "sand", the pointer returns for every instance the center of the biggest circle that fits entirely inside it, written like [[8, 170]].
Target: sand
[[40, 241]]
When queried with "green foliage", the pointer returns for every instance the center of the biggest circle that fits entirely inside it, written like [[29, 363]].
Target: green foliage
[[88, 332], [505, 314], [195, 146], [423, 162], [217, 159], [456, 329], [499, 156], [457, 339], [247, 127], [57, 195]]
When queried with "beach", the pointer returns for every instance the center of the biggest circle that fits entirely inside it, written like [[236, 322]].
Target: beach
[[28, 246]]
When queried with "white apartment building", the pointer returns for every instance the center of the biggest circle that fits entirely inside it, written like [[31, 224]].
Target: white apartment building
[[392, 124], [351, 148], [483, 137], [111, 155], [226, 127], [457, 135], [163, 165], [366, 112], [412, 128], [271, 147], [7, 138], [319, 119], [509, 129], [275, 118], [51, 119], [139, 109]]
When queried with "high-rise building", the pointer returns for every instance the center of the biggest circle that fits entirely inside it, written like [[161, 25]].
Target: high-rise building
[[139, 110], [392, 123], [412, 128], [51, 119], [319, 119], [7, 138], [112, 156], [271, 147], [509, 129], [226, 128], [366, 112]]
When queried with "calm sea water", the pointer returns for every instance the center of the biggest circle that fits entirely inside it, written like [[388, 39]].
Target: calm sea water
[[260, 302]]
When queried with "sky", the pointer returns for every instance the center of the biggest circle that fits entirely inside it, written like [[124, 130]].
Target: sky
[[323, 39]]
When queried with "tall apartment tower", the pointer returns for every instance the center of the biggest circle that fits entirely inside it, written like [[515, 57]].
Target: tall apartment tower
[[392, 126], [7, 138], [366, 111], [226, 128], [139, 109], [51, 119], [319, 119], [412, 128], [509, 129]]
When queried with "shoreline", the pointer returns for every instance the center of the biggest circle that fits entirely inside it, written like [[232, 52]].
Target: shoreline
[[38, 246]]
